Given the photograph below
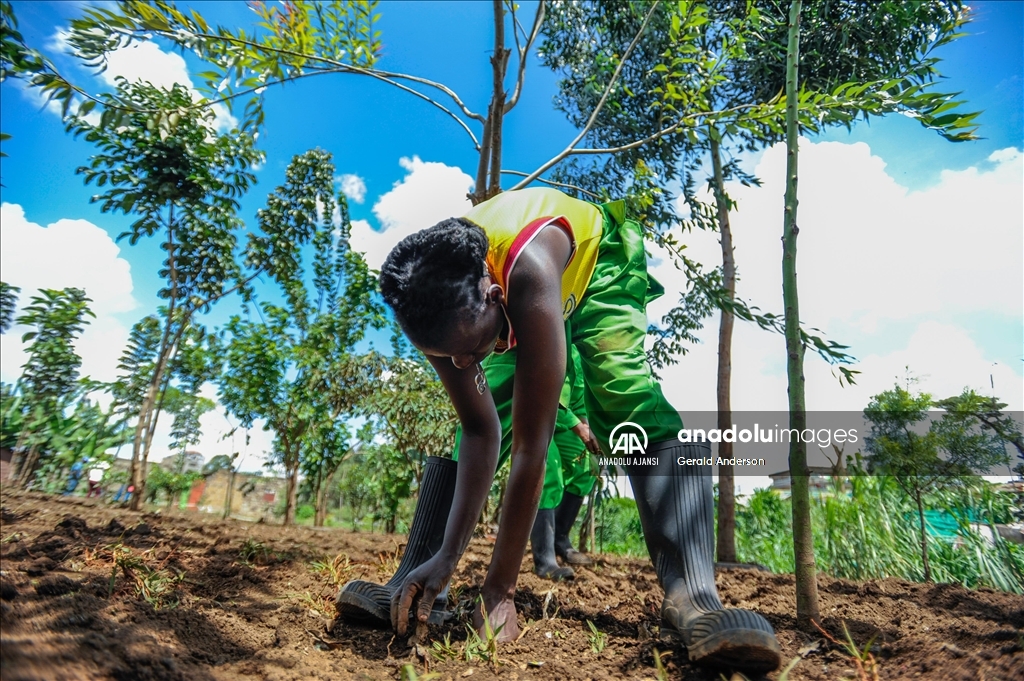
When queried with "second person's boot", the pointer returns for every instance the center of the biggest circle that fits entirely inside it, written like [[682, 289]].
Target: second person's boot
[[565, 518], [542, 544], [677, 513], [363, 602]]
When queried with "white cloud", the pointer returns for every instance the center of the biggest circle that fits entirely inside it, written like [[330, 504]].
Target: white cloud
[[220, 436], [353, 187], [142, 61], [429, 193], [870, 251], [145, 61], [62, 254]]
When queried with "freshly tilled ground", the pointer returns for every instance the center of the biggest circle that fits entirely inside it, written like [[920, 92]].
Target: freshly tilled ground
[[89, 591]]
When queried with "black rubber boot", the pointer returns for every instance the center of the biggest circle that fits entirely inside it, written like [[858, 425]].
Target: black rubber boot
[[542, 544], [364, 602], [565, 517], [677, 513]]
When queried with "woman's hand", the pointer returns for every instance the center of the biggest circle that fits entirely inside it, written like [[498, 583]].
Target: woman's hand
[[583, 431], [418, 591]]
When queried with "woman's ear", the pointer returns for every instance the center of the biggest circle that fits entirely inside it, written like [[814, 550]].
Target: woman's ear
[[495, 294]]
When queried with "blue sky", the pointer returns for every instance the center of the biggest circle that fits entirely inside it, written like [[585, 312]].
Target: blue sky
[[910, 246]]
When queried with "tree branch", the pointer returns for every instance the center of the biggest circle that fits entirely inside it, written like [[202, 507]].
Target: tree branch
[[524, 53], [597, 109], [520, 173], [213, 299], [176, 36]]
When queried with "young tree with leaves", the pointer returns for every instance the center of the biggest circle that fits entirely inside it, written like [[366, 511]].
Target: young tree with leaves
[[803, 541], [924, 460], [990, 414], [51, 373], [166, 166], [8, 305], [296, 368]]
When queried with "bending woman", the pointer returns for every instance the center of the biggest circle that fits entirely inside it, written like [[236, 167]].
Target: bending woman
[[509, 274]]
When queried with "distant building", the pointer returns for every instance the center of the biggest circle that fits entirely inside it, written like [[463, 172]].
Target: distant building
[[193, 462], [251, 496], [820, 480]]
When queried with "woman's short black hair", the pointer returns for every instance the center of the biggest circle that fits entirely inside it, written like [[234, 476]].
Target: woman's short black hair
[[431, 279]]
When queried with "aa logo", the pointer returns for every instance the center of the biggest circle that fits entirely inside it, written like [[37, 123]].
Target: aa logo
[[628, 438]]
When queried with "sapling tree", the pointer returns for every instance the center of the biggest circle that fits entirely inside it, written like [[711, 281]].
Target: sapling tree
[[324, 449], [8, 305], [927, 454], [803, 540], [296, 368], [51, 374], [165, 165], [136, 367], [296, 40], [990, 414], [411, 412]]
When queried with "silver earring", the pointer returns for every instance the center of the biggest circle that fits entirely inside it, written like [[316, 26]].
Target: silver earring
[[481, 380]]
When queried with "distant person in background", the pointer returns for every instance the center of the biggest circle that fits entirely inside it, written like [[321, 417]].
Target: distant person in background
[[76, 475], [124, 493], [96, 474]]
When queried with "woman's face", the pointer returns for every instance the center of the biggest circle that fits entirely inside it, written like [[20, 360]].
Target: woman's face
[[470, 341]]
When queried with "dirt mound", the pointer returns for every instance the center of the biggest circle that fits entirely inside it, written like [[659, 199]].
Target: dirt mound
[[94, 592]]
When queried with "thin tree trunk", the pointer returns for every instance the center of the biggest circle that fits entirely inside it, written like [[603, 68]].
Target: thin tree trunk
[[587, 526], [499, 62], [496, 516], [488, 169], [924, 538], [480, 189], [726, 474], [292, 497], [140, 445], [230, 493], [320, 498], [28, 466], [19, 457], [162, 380], [803, 542]]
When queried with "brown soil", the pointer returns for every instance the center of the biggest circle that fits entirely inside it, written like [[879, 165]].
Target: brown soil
[[243, 600]]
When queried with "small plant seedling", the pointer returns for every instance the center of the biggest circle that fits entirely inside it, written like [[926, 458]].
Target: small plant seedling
[[444, 650], [596, 638], [321, 604], [491, 644], [485, 649], [388, 561], [336, 570], [659, 667], [156, 586], [408, 673], [253, 552], [784, 676], [863, 660]]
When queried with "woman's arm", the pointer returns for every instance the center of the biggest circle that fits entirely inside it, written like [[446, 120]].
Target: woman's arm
[[478, 454], [535, 311], [478, 457]]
